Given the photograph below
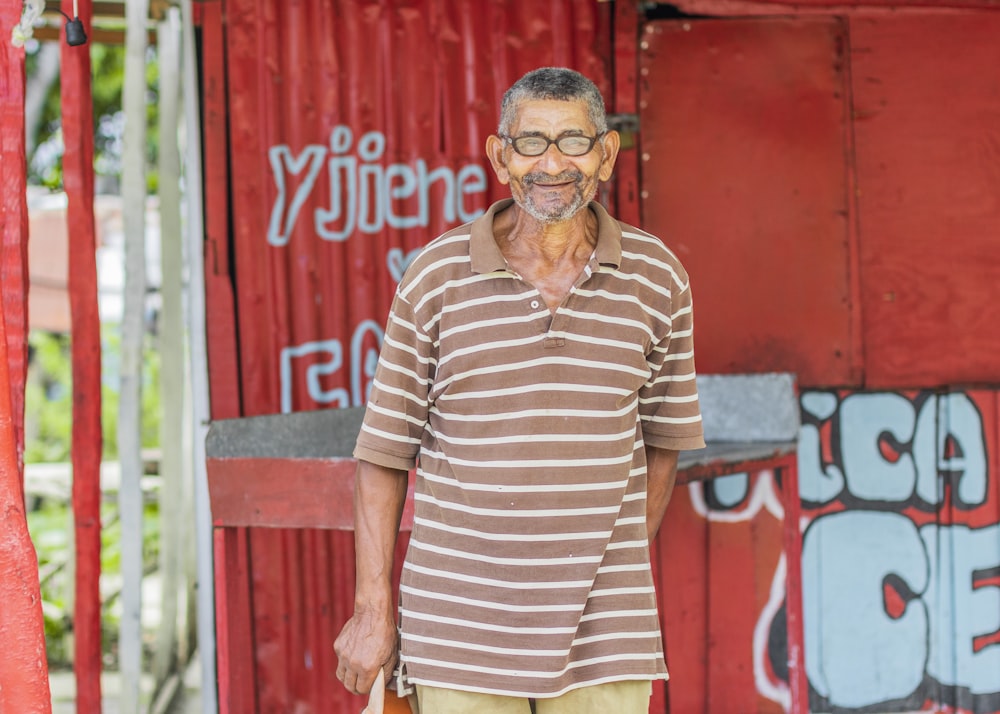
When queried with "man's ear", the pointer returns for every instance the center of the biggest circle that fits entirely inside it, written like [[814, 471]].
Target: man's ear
[[611, 142], [494, 152]]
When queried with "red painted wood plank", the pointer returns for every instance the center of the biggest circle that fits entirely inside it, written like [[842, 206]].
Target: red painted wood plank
[[625, 102], [223, 364], [732, 565], [681, 588], [286, 493], [234, 622], [14, 224], [78, 179], [798, 683], [929, 215], [743, 162]]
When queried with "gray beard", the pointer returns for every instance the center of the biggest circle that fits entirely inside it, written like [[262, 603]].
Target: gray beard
[[558, 215]]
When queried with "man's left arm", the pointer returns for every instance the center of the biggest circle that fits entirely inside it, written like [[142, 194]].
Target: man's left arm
[[661, 473]]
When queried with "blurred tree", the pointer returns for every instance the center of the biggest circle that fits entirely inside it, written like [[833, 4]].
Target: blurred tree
[[43, 127]]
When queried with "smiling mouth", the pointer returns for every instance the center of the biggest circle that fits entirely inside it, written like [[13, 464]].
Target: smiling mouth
[[568, 178], [554, 185]]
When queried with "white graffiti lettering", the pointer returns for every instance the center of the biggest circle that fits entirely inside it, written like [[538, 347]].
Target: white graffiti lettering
[[861, 650], [323, 359], [893, 450], [895, 612], [900, 608], [366, 196]]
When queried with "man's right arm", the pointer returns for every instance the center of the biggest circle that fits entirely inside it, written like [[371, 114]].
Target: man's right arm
[[368, 640]]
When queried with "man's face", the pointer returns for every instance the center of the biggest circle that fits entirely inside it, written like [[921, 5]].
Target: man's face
[[552, 186]]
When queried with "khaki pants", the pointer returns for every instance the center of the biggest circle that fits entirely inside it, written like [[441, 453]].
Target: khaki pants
[[629, 697]]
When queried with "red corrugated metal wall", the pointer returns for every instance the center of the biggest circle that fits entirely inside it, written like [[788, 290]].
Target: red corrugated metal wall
[[356, 134]]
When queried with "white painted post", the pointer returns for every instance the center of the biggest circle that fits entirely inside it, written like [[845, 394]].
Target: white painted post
[[173, 529], [130, 394], [199, 366]]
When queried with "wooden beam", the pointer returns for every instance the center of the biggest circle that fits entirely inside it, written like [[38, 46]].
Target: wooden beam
[[100, 9]]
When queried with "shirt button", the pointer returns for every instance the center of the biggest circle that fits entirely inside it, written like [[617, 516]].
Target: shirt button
[[534, 304]]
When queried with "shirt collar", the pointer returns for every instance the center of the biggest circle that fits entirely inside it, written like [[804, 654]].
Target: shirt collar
[[486, 256]]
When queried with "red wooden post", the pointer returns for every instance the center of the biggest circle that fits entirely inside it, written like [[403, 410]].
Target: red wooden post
[[798, 684], [24, 683], [24, 670], [78, 179], [234, 620], [626, 67], [13, 221]]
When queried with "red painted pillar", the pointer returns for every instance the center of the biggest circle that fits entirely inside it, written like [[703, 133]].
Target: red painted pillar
[[24, 682], [13, 219], [24, 671], [625, 103], [78, 180]]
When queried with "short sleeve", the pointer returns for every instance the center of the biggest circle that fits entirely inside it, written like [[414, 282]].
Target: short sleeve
[[397, 409], [668, 402]]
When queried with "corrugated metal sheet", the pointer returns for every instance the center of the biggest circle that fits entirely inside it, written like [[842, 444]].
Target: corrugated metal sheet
[[356, 133]]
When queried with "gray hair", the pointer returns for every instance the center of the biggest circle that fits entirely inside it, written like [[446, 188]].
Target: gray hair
[[553, 83]]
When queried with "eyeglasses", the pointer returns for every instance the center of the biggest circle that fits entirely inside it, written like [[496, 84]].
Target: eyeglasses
[[568, 144]]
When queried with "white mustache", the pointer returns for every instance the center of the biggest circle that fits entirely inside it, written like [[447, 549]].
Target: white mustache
[[539, 177]]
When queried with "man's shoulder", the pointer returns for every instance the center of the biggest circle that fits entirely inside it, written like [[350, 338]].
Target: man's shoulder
[[438, 261], [650, 252]]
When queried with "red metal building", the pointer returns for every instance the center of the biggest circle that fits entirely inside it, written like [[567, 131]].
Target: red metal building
[[828, 173]]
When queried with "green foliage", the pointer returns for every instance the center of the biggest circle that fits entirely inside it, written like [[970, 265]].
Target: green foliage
[[107, 81], [48, 411], [49, 397], [49, 526]]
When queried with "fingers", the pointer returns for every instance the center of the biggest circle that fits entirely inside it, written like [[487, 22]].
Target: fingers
[[365, 646], [358, 682]]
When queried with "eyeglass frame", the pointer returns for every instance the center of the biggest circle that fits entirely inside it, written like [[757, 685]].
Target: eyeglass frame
[[549, 142]]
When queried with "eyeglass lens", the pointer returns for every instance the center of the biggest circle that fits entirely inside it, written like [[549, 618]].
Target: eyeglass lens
[[571, 145]]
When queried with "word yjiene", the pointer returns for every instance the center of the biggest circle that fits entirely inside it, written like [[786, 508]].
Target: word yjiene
[[365, 196]]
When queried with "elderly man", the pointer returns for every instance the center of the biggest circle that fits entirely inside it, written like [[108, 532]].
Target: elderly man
[[539, 362]]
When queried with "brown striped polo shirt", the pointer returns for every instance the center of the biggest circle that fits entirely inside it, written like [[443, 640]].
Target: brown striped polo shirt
[[528, 568]]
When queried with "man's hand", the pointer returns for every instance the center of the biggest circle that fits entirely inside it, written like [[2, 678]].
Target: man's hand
[[367, 643]]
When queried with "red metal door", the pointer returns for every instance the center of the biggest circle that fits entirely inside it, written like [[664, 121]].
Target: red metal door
[[745, 176]]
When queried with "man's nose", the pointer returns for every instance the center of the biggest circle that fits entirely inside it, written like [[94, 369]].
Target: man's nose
[[552, 161]]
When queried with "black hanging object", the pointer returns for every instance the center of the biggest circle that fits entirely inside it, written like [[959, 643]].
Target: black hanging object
[[75, 34]]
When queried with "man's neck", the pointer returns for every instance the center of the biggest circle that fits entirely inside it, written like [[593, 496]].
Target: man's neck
[[519, 233]]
